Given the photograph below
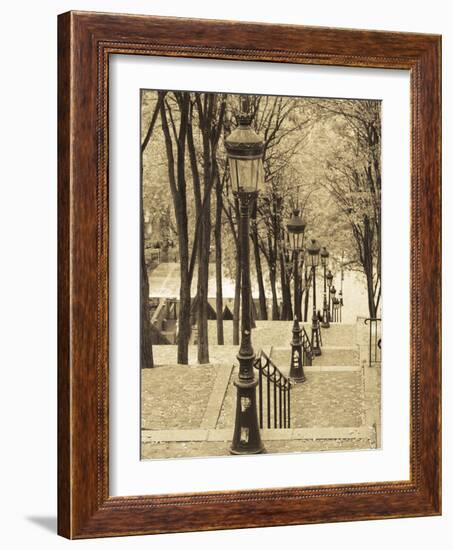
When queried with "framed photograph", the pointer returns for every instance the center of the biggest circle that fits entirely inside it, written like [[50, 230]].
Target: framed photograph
[[249, 275]]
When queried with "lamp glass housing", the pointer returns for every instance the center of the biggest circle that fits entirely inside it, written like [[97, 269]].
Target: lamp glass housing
[[324, 256], [245, 149], [247, 174], [296, 231], [313, 253], [329, 278]]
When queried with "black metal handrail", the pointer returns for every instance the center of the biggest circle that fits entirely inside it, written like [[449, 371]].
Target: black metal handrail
[[374, 341], [307, 353], [274, 394]]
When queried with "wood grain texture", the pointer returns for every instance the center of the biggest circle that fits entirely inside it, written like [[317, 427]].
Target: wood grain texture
[[85, 42]]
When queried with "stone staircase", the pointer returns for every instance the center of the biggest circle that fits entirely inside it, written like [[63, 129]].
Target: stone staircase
[[332, 356], [338, 407], [339, 350], [279, 333]]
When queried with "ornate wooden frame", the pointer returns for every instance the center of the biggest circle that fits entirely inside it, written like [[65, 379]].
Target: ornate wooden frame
[[85, 41]]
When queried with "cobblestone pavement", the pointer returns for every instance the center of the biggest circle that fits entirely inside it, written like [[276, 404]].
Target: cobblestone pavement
[[175, 397], [325, 399], [208, 448]]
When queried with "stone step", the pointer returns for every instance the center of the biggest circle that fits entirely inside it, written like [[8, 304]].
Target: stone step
[[332, 356], [281, 358], [279, 333], [338, 334], [225, 355], [278, 434], [218, 355], [337, 355]]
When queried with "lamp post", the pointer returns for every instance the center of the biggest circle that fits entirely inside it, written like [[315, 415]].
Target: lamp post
[[296, 231], [245, 157], [336, 309], [325, 308], [333, 292], [313, 260], [329, 278]]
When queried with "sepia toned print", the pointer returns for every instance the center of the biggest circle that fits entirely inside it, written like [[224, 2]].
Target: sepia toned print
[[260, 274]]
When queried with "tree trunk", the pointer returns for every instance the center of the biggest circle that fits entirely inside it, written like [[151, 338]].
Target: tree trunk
[[287, 309], [259, 273], [210, 124], [275, 308], [177, 183], [202, 285], [146, 348], [218, 265], [184, 322], [371, 305], [184, 294], [368, 265]]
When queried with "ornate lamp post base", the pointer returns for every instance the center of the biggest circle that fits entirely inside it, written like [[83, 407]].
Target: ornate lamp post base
[[296, 372], [246, 437], [325, 315], [315, 337]]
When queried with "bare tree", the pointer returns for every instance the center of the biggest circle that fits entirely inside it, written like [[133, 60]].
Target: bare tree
[[284, 127], [146, 348], [178, 187], [210, 109], [354, 180]]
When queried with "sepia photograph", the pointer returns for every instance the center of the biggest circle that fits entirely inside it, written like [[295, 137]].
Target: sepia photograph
[[260, 299]]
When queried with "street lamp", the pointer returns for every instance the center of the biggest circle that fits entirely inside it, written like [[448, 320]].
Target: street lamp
[[325, 308], [313, 261], [329, 278], [336, 309], [333, 292], [341, 287], [296, 231], [244, 150]]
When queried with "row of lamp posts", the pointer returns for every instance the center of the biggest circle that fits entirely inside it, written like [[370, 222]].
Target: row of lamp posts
[[245, 157]]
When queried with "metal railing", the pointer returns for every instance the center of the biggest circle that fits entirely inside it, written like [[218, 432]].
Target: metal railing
[[374, 341], [307, 354], [274, 394]]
